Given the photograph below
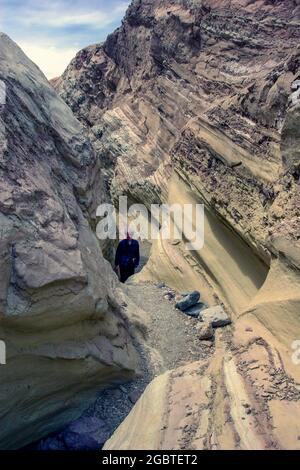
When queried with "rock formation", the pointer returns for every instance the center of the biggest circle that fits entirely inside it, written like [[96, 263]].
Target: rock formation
[[59, 317], [199, 101]]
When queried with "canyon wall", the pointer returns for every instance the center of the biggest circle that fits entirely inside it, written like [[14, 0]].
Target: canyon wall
[[205, 88], [59, 318], [198, 101]]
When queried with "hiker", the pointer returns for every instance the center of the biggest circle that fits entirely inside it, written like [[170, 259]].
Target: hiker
[[127, 257]]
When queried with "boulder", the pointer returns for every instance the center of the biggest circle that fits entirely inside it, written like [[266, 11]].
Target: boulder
[[216, 316], [196, 309], [188, 301]]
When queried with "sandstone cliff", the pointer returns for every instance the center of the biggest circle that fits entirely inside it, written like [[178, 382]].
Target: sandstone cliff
[[65, 338], [192, 101]]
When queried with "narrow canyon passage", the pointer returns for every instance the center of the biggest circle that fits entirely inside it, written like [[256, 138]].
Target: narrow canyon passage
[[225, 271]]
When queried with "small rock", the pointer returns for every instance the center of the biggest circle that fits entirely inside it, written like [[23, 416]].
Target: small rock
[[295, 85], [123, 389], [216, 316], [253, 367], [188, 301], [161, 285], [169, 295], [206, 331], [134, 396], [282, 386], [249, 329]]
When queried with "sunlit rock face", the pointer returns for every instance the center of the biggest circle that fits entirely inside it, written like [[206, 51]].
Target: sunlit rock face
[[199, 101], [59, 318]]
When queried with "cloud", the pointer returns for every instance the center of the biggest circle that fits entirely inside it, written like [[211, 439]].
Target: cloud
[[58, 15], [52, 60], [51, 33]]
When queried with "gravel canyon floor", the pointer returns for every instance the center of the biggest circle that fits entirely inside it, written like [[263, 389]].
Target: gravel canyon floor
[[172, 341]]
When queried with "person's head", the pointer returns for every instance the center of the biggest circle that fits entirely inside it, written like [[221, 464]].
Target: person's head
[[129, 236]]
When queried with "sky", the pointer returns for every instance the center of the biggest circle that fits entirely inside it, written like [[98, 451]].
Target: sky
[[52, 32]]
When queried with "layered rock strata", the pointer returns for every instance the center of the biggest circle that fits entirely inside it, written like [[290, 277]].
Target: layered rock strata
[[59, 318], [199, 102]]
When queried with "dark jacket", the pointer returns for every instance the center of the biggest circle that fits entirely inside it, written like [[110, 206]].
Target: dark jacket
[[128, 254]]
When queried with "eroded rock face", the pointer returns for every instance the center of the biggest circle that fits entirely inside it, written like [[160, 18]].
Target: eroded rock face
[[246, 397], [58, 314], [208, 92], [209, 88]]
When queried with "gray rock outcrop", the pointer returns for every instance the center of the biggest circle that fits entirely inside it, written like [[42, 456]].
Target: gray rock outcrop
[[59, 318]]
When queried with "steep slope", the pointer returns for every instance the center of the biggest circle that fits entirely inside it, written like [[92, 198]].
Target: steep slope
[[59, 317], [198, 101]]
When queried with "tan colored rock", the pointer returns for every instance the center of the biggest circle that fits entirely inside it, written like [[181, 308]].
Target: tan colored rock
[[246, 397], [205, 331]]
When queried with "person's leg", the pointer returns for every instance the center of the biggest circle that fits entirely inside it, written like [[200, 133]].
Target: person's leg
[[125, 273]]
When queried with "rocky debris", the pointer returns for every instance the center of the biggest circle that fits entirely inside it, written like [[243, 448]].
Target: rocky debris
[[295, 85], [216, 316], [87, 433], [169, 296], [172, 341], [188, 301], [161, 285]]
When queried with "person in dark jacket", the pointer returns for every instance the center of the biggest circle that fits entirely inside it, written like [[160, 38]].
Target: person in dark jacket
[[127, 257]]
